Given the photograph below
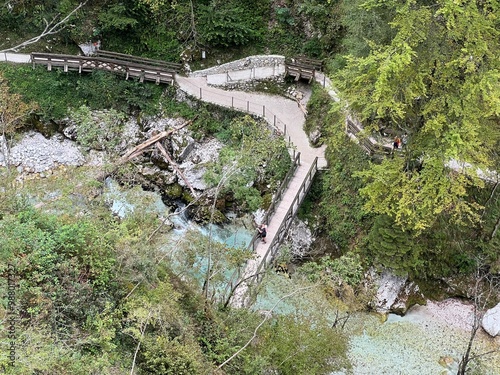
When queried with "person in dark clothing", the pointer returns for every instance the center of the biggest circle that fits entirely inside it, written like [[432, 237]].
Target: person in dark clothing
[[262, 228]]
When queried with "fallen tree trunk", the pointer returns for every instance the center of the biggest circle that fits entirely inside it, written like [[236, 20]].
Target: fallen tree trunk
[[139, 149]]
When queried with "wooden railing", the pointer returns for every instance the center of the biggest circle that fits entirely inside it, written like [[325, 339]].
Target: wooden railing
[[236, 277], [81, 64], [370, 145], [278, 196], [287, 221], [299, 71], [142, 60], [314, 63], [302, 67]]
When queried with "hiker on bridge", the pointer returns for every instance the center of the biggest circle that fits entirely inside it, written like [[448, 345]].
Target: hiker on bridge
[[262, 229]]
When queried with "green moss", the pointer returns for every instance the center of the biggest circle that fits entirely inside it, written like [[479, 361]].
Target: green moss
[[174, 191]]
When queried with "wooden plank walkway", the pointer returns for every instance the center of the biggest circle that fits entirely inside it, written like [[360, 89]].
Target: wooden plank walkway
[[141, 69]]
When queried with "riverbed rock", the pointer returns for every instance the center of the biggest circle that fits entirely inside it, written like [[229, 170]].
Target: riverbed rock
[[35, 153], [315, 137], [182, 144], [395, 294], [204, 153], [491, 321], [300, 239]]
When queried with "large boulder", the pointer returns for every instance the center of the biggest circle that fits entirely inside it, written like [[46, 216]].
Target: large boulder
[[395, 294], [182, 144], [195, 166], [491, 321], [300, 238]]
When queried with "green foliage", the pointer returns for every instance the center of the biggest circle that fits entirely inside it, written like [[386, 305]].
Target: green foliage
[[324, 18], [318, 107], [224, 333], [418, 82], [98, 130], [347, 268], [56, 92], [170, 357], [365, 25], [253, 155], [295, 346], [284, 15], [340, 203], [117, 16], [224, 23], [392, 248]]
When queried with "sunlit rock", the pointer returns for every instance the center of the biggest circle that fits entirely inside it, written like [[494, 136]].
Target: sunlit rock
[[300, 239], [395, 294], [491, 321]]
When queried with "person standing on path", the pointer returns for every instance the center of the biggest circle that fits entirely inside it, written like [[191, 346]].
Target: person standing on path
[[262, 228], [396, 143]]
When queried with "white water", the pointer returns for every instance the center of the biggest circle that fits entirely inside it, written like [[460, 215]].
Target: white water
[[121, 205]]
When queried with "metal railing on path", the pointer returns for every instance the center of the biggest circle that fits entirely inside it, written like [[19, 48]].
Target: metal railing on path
[[231, 101], [287, 221]]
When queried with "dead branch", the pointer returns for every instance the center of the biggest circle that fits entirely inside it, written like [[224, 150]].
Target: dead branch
[[143, 330], [175, 166], [51, 28], [139, 149]]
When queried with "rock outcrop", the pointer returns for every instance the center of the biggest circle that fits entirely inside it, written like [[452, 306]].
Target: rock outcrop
[[395, 294], [491, 321], [300, 239]]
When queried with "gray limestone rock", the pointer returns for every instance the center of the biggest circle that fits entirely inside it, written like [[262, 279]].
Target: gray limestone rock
[[182, 144], [491, 321], [395, 294], [300, 238], [204, 153]]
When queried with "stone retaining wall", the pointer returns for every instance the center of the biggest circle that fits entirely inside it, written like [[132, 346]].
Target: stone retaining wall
[[257, 61]]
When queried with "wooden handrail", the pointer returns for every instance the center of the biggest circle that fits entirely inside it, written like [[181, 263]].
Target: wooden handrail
[[148, 61], [158, 74], [41, 57], [285, 224], [277, 198]]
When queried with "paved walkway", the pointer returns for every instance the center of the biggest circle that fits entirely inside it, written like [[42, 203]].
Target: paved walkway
[[290, 119], [15, 57]]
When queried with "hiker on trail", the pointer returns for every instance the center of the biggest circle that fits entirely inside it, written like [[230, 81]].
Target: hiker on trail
[[262, 228], [397, 142]]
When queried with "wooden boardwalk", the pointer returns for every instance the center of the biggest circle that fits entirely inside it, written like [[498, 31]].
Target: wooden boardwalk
[[129, 66]]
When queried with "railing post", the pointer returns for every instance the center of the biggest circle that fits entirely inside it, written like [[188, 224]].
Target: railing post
[[200, 92], [274, 121], [284, 130], [248, 106], [232, 101], [264, 111]]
